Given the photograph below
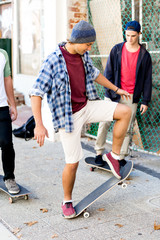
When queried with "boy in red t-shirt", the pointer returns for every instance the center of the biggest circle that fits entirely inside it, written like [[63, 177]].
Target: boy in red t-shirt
[[67, 77], [129, 67]]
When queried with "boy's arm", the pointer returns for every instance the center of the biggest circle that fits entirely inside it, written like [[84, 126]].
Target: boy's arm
[[40, 131], [106, 83], [147, 91], [10, 96]]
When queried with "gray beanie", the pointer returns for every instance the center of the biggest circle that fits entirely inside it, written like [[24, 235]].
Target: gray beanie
[[83, 32]]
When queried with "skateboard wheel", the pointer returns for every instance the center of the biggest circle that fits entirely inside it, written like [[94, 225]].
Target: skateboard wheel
[[86, 214], [10, 200], [92, 169], [124, 185], [26, 197]]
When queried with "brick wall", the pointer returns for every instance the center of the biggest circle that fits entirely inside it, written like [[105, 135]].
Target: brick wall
[[77, 10]]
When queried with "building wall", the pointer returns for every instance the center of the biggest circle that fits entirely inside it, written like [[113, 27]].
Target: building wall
[[53, 27], [76, 11]]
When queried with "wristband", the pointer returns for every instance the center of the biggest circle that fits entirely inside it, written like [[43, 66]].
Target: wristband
[[116, 90]]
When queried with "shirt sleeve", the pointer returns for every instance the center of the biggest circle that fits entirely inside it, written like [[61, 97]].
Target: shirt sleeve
[[43, 83], [7, 70], [95, 73]]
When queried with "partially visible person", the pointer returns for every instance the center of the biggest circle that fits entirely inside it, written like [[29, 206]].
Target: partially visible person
[[67, 77], [129, 67], [8, 113]]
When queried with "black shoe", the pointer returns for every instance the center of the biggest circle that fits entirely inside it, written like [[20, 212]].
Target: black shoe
[[99, 161], [122, 162]]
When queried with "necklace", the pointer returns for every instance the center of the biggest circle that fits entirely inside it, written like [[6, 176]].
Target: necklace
[[65, 48]]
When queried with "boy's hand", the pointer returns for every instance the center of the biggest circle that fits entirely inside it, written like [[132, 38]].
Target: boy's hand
[[143, 108], [123, 94], [13, 113], [39, 134]]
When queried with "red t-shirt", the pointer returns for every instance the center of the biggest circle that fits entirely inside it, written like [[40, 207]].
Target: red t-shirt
[[76, 73], [128, 69]]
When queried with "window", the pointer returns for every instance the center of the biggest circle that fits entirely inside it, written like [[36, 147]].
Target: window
[[5, 20], [29, 25]]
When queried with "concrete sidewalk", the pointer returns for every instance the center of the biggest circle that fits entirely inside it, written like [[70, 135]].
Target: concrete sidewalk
[[120, 214], [127, 214], [5, 233]]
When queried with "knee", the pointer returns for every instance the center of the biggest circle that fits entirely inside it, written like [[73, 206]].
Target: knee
[[72, 167], [127, 111], [122, 112]]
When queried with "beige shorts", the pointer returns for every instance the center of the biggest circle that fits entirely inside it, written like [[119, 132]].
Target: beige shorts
[[94, 111]]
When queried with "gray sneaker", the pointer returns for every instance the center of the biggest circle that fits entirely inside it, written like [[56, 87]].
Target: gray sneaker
[[12, 186]]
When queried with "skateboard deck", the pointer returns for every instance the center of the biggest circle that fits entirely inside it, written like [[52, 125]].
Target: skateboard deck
[[102, 189], [22, 194], [91, 162]]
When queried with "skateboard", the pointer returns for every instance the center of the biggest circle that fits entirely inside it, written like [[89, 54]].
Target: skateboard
[[82, 206], [22, 194], [91, 162]]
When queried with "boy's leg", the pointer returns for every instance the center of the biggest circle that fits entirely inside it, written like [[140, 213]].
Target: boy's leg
[[125, 146], [122, 116], [73, 153], [68, 179], [101, 140], [8, 153], [99, 111], [101, 135]]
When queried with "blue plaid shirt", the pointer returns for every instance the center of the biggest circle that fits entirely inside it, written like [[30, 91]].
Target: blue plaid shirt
[[53, 80]]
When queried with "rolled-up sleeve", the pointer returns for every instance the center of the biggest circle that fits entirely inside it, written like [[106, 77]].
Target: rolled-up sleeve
[[43, 83]]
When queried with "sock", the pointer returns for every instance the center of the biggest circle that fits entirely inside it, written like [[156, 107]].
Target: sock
[[115, 156], [67, 201]]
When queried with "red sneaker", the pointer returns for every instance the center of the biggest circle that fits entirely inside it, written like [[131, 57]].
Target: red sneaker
[[68, 210], [114, 165]]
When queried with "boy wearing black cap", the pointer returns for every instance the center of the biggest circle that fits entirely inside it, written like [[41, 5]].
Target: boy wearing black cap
[[67, 77], [133, 66]]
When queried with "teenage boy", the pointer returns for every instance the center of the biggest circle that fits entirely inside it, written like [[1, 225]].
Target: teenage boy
[[8, 113], [67, 76], [129, 67]]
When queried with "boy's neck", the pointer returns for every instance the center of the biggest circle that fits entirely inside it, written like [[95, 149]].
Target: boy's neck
[[69, 48], [132, 48]]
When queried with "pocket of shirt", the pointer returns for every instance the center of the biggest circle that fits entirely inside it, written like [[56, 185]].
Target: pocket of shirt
[[60, 82]]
